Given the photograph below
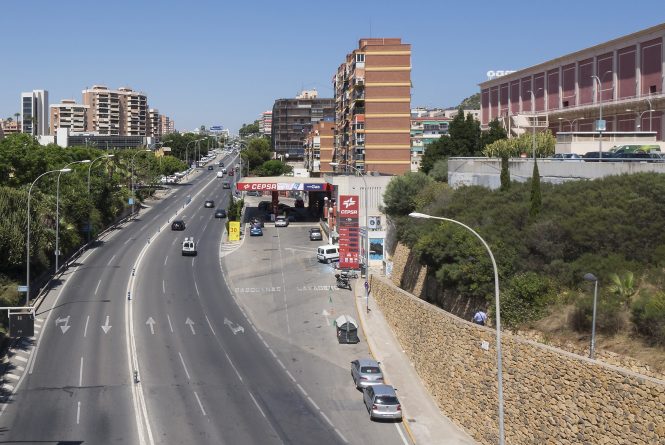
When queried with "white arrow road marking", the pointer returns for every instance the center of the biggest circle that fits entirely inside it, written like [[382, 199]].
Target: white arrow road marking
[[191, 325], [151, 323], [106, 326], [234, 327], [65, 326]]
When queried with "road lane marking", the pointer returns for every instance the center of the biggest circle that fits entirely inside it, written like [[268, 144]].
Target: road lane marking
[[78, 413], [209, 324], [8, 387], [81, 373], [200, 404], [399, 430], [111, 260], [106, 327], [302, 390], [339, 433], [20, 358], [190, 323], [290, 376], [327, 419], [197, 289], [85, 330], [12, 376], [151, 322], [170, 325], [97, 288], [257, 404], [128, 240], [183, 365], [313, 403], [166, 258], [163, 287]]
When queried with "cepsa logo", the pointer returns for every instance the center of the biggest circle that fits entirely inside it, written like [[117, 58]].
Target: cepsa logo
[[348, 205], [257, 186]]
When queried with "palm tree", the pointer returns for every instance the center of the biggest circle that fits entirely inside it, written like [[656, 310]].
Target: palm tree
[[17, 115], [624, 288]]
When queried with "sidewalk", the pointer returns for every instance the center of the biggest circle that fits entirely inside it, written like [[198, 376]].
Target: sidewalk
[[422, 417]]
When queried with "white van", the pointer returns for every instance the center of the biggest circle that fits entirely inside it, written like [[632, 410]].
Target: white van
[[327, 253], [188, 247]]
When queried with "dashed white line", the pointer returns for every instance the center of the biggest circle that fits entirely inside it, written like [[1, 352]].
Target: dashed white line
[[399, 430], [281, 363], [233, 366], [302, 390], [97, 288], [210, 325], [257, 404], [85, 330], [170, 325], [327, 419], [166, 258], [339, 433], [111, 260], [197, 289], [313, 403], [81, 373], [290, 376], [163, 287], [273, 353], [128, 240], [200, 404], [78, 413], [183, 365]]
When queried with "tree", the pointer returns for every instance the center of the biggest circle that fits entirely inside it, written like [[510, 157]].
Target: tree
[[435, 151], [249, 129], [495, 133], [623, 288], [274, 167], [536, 198], [399, 197], [463, 140], [505, 173], [470, 103], [439, 171]]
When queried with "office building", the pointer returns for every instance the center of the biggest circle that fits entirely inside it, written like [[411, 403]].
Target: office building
[[35, 113], [372, 107], [319, 145], [265, 123], [622, 78], [69, 114], [293, 118]]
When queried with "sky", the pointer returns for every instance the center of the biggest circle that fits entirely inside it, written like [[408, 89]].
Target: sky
[[220, 62]]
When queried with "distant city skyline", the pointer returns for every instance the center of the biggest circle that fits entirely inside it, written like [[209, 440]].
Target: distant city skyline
[[209, 63]]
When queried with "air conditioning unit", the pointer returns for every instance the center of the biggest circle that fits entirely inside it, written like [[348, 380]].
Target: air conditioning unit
[[374, 222]]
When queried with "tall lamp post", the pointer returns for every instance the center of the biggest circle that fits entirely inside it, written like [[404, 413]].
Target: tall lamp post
[[600, 124], [365, 201], [89, 169], [57, 211], [132, 178], [499, 357], [592, 347], [27, 244]]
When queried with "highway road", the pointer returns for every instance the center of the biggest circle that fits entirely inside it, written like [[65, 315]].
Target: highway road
[[179, 362]]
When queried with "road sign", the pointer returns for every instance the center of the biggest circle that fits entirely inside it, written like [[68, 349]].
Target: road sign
[[130, 201], [234, 230], [23, 288], [21, 325]]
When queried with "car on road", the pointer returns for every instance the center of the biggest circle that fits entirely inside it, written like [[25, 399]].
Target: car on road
[[328, 253], [230, 172], [227, 185], [221, 163], [382, 403], [256, 231], [189, 247], [223, 171], [210, 167], [178, 224], [366, 372], [209, 204], [220, 174], [281, 221], [256, 221], [220, 213], [315, 234]]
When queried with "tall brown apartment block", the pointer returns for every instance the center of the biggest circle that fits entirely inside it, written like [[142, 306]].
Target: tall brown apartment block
[[372, 107], [319, 145], [122, 112], [154, 123], [69, 114]]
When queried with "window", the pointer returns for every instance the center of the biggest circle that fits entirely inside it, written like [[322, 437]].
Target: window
[[360, 57], [565, 103], [652, 89]]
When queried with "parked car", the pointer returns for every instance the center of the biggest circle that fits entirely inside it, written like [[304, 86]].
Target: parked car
[[327, 253], [382, 403], [256, 231], [220, 213], [567, 157], [281, 221], [209, 204], [594, 156], [366, 372], [638, 156], [178, 224], [315, 234]]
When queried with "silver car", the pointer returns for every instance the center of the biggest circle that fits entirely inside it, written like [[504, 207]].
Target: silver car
[[382, 403], [366, 372], [281, 221]]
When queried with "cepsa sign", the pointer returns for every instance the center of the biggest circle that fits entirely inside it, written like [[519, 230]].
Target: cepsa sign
[[348, 206], [269, 186]]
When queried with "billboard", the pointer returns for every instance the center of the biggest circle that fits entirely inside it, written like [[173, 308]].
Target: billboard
[[234, 230], [349, 232]]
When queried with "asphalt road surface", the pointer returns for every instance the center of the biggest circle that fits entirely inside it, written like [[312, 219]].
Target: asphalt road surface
[[180, 362]]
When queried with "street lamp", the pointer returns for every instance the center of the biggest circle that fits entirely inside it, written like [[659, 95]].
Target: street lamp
[[27, 246], [90, 168], [499, 358], [57, 211], [592, 347], [337, 164], [132, 178], [600, 125], [533, 123]]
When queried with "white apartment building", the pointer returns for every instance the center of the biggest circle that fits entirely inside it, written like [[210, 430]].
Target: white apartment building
[[69, 114], [35, 113]]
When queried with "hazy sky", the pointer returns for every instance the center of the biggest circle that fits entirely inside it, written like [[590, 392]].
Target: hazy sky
[[224, 62]]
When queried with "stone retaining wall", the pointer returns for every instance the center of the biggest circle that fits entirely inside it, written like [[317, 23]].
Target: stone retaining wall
[[551, 396]]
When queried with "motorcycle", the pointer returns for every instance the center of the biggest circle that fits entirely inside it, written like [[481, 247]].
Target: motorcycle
[[343, 281]]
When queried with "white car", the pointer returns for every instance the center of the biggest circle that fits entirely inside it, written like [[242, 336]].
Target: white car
[[281, 221], [220, 174]]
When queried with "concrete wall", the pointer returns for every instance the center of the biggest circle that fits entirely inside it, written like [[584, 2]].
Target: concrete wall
[[486, 171], [551, 396]]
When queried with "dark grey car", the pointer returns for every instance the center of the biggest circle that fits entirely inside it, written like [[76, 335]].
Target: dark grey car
[[366, 372]]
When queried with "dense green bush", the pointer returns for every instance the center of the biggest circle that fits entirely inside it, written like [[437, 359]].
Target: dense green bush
[[608, 313], [525, 299], [648, 315]]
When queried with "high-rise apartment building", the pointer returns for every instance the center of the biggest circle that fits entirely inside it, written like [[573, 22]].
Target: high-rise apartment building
[[265, 123], [122, 112], [372, 107], [166, 124], [319, 147], [154, 123], [68, 114], [293, 118], [35, 113]]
